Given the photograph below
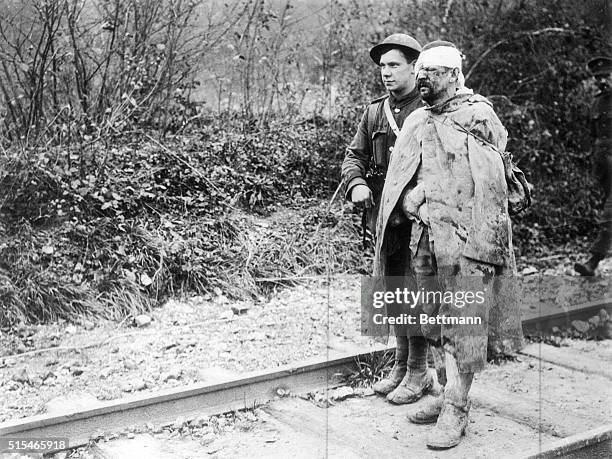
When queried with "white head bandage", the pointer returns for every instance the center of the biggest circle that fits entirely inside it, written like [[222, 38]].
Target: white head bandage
[[441, 56]]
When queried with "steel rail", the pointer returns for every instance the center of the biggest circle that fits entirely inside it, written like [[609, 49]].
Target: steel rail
[[165, 406], [536, 324], [595, 443]]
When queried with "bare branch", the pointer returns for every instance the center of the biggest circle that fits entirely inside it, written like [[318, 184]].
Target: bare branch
[[516, 36]]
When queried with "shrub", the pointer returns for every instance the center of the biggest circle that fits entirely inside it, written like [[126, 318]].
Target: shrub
[[86, 228]]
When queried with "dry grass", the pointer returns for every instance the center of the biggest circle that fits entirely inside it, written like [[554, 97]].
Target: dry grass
[[372, 368], [241, 254]]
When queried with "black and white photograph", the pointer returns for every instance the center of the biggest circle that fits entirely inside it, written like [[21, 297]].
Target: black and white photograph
[[305, 229]]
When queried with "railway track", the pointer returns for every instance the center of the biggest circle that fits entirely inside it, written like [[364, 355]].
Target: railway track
[[553, 430]]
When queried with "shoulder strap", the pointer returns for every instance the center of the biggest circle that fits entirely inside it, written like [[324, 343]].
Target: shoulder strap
[[372, 109], [458, 126], [390, 118]]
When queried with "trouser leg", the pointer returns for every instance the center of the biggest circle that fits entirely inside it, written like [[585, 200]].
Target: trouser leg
[[601, 247], [458, 384], [435, 361], [453, 418], [417, 355], [417, 380]]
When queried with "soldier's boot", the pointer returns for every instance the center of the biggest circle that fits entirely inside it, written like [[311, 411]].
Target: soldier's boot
[[427, 411], [450, 426], [588, 268], [400, 366], [453, 419], [417, 380]]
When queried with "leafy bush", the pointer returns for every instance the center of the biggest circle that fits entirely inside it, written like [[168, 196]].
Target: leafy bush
[[88, 228]]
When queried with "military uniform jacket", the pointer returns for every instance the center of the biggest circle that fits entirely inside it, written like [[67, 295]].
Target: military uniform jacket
[[373, 142]]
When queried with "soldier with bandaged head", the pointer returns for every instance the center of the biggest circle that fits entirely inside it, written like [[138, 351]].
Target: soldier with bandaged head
[[447, 178]]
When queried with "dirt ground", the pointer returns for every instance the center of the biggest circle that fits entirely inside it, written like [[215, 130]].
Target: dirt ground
[[195, 340]]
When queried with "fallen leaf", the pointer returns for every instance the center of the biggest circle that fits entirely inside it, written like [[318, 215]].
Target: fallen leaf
[[145, 280]]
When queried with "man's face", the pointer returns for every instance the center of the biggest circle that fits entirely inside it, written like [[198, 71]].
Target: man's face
[[396, 72], [433, 82]]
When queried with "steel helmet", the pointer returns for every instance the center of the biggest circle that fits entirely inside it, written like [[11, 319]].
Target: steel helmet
[[406, 43]]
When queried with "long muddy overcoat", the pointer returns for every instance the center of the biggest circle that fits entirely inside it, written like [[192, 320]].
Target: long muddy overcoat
[[456, 145]]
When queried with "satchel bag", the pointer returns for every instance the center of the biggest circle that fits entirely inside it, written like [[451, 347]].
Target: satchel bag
[[519, 190]]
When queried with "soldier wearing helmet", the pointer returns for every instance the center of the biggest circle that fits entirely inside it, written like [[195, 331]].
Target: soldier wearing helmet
[[601, 130], [363, 173], [367, 157]]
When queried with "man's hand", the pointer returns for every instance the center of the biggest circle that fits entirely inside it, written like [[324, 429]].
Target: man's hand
[[361, 195], [424, 213], [412, 200]]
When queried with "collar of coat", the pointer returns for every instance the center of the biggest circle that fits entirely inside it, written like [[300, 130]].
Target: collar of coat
[[404, 100], [455, 102]]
